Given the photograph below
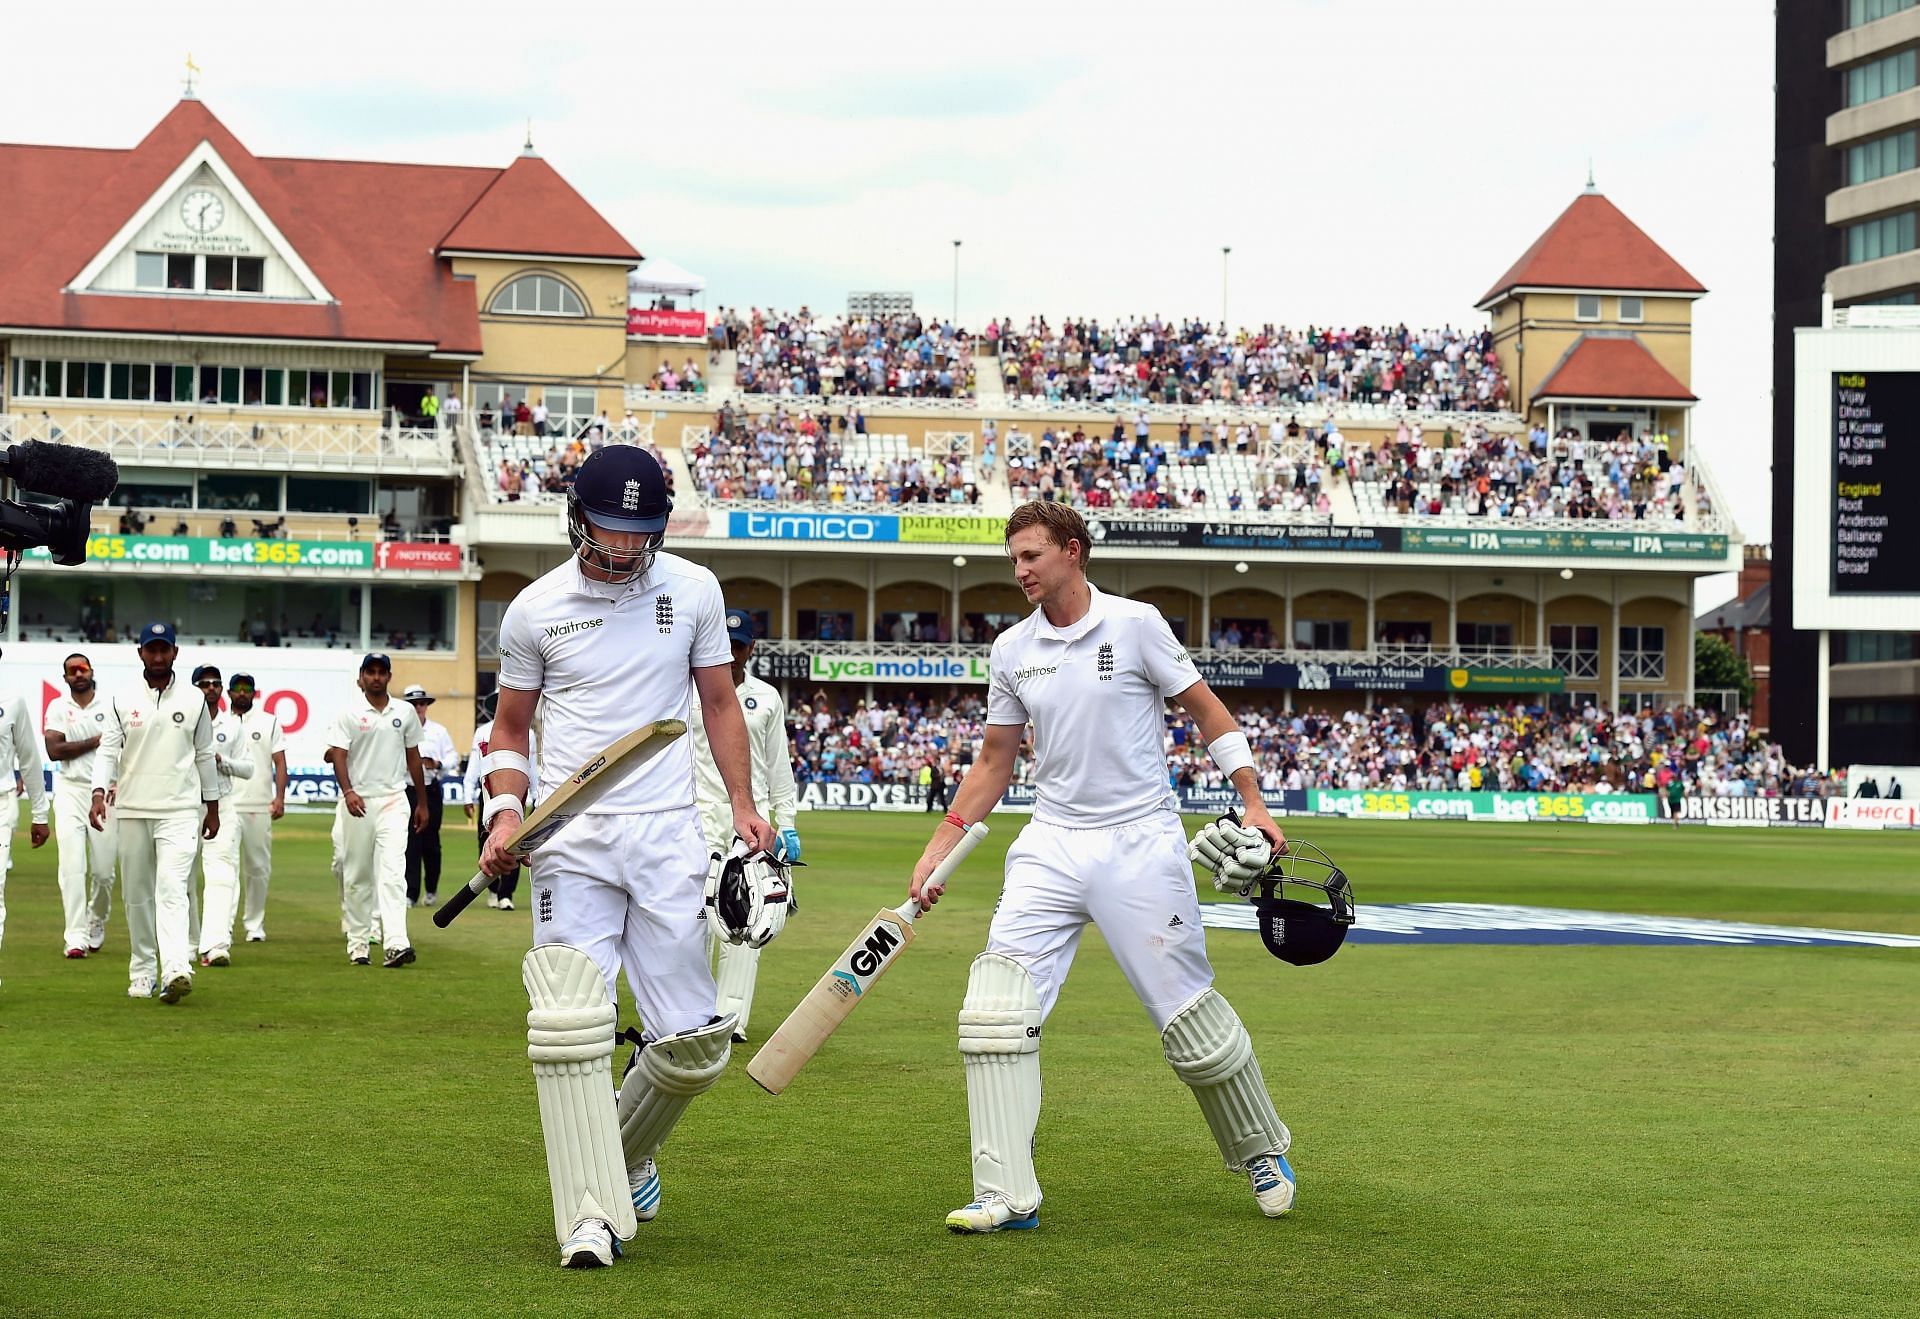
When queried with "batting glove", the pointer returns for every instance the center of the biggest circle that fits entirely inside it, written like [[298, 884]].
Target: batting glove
[[1236, 854], [788, 851], [750, 896]]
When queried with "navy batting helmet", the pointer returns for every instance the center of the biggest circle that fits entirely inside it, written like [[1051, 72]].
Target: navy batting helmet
[[619, 488], [1304, 933]]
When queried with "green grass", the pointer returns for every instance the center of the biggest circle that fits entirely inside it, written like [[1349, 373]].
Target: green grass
[[1478, 1130]]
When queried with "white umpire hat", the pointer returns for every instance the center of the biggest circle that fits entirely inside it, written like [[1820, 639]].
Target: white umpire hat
[[416, 694]]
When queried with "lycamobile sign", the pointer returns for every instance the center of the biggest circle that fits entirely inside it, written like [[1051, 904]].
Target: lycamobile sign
[[971, 669]]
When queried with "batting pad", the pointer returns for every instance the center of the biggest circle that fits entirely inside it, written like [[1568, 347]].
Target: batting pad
[[1210, 1050], [733, 981], [664, 1080], [1000, 1047], [570, 1040]]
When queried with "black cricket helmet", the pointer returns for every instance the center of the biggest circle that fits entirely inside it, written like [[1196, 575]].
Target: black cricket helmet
[[1304, 933]]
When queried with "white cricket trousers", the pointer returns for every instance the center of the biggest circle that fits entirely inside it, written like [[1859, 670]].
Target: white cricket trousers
[[86, 858], [1134, 881], [156, 877], [630, 892], [219, 884], [373, 851], [256, 862]]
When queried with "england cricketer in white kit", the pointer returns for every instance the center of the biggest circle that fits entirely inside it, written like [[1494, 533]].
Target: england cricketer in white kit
[[74, 725], [773, 796], [156, 757], [220, 854], [20, 748], [374, 748], [1092, 673], [258, 799], [603, 644]]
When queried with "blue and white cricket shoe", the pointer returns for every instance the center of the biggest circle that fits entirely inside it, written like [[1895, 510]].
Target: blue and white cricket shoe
[[1272, 1178], [991, 1213], [590, 1247], [644, 1182]]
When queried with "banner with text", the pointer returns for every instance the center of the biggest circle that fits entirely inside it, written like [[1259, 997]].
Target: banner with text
[[1148, 533], [1378, 676], [1605, 808], [805, 524], [303, 554], [968, 670], [1591, 544], [674, 324]]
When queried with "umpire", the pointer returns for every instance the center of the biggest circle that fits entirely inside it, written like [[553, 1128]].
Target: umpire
[[437, 757]]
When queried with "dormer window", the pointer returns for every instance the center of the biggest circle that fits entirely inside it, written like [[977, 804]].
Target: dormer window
[[537, 295]]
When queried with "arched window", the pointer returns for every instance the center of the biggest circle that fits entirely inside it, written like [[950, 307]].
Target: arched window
[[537, 295]]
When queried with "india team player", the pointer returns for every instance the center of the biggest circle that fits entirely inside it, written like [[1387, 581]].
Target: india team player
[[1092, 673], [620, 635], [258, 799], [773, 796], [20, 749], [374, 748], [220, 854], [74, 725]]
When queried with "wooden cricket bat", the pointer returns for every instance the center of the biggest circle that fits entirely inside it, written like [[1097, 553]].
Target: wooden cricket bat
[[575, 797], [847, 981]]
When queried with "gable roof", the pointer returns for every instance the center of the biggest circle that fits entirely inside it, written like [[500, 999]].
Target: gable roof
[[1754, 611], [371, 232], [529, 210], [1593, 245], [1611, 366]]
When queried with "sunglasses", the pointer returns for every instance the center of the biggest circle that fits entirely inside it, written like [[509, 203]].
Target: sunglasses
[[208, 682]]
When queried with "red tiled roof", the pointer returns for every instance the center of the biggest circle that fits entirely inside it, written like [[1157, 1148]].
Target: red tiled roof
[[531, 210], [369, 232], [1614, 367], [1593, 246]]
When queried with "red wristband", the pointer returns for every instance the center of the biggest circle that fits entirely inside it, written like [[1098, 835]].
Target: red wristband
[[956, 821]]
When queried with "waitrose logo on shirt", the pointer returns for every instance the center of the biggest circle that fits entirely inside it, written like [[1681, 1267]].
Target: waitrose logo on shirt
[[898, 668]]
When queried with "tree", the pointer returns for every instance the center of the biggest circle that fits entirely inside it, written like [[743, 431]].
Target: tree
[[1716, 666]]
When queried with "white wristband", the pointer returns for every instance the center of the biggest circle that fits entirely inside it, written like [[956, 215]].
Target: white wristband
[[504, 759], [1231, 751], [501, 802]]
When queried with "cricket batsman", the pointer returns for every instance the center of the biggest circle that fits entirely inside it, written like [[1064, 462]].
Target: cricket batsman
[[620, 635], [1092, 673], [773, 797]]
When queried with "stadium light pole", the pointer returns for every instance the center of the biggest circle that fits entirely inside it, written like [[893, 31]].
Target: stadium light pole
[[956, 283], [1225, 252]]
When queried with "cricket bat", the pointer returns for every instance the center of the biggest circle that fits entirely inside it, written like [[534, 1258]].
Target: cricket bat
[[575, 797], [847, 981]]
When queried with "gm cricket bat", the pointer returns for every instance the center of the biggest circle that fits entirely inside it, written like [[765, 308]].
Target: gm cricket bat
[[573, 798], [847, 981]]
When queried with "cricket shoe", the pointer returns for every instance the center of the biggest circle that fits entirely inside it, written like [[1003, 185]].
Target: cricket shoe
[[433, 899], [357, 954], [257, 938], [590, 1246], [176, 988], [397, 957], [506, 904], [96, 936], [992, 1213], [1272, 1178], [493, 899], [75, 954], [217, 957], [644, 1183], [140, 987]]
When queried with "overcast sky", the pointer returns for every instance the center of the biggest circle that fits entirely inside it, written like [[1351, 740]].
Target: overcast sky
[[1367, 163]]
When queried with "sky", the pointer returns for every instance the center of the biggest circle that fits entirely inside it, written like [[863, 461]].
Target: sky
[[1367, 164]]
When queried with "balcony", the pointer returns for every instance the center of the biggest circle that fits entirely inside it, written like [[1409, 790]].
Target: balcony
[[272, 444], [1506, 658]]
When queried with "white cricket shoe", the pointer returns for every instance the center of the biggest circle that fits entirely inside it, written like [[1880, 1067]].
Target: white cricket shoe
[[590, 1246], [357, 954], [96, 936], [1272, 1178], [644, 1183], [991, 1213], [506, 904], [140, 987], [493, 899]]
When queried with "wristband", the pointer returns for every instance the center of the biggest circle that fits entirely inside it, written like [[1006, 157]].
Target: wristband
[[1231, 751], [954, 820], [501, 758], [498, 803]]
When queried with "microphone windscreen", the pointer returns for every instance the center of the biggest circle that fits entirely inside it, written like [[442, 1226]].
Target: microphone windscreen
[[66, 471]]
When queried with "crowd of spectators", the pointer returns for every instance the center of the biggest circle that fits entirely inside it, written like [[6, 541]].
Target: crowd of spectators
[[1499, 474], [800, 457], [805, 354], [1147, 359], [1448, 746], [552, 473]]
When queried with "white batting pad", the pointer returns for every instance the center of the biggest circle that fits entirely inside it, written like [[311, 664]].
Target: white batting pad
[[1210, 1050], [570, 1040], [733, 981], [669, 1073], [1000, 1047]]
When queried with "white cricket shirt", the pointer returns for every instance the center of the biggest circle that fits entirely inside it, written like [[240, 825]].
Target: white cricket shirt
[[1096, 695], [22, 748], [226, 745], [773, 791], [436, 743], [608, 658], [77, 723], [157, 752], [376, 743], [259, 738]]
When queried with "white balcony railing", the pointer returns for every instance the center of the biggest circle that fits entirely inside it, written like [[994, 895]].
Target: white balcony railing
[[213, 442], [1492, 657]]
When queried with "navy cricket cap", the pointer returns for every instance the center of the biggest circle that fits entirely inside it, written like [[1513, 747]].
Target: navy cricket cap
[[622, 488], [739, 625], [241, 680], [377, 660], [205, 671], [157, 632]]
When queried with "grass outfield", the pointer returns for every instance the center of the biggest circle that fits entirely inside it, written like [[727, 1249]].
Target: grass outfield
[[1478, 1130]]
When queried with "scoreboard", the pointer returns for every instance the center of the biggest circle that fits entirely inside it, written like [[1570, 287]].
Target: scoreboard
[[1876, 482]]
